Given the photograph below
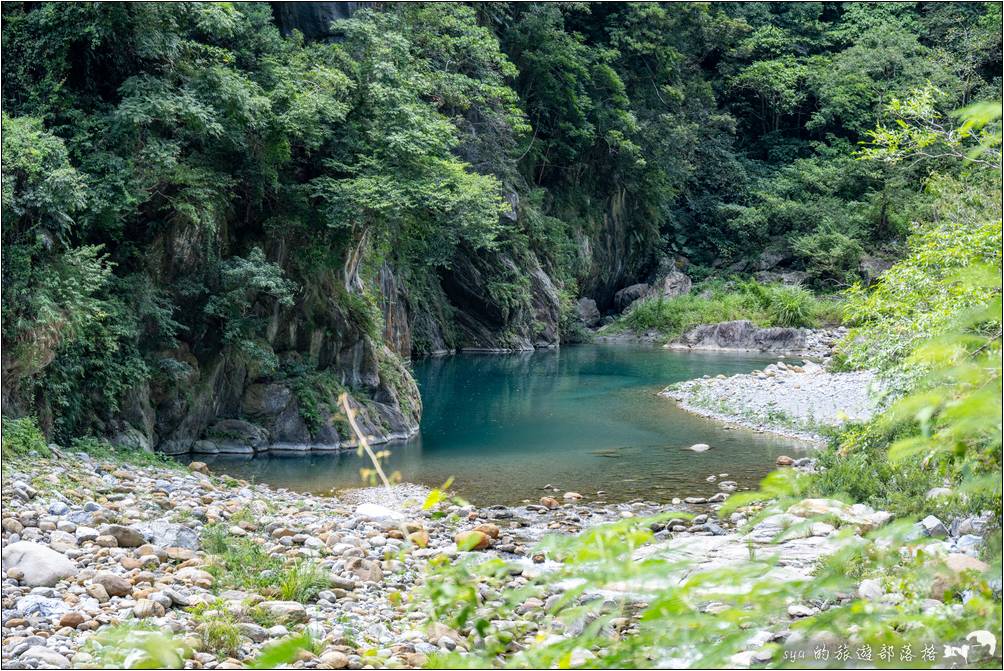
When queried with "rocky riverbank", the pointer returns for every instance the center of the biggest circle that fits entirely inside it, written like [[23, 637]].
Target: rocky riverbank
[[737, 336], [90, 544], [793, 399]]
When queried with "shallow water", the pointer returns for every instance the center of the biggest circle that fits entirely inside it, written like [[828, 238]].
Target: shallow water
[[585, 418]]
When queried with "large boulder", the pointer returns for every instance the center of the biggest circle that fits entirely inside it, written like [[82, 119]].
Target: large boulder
[[745, 336], [628, 295], [674, 284], [587, 312], [41, 566]]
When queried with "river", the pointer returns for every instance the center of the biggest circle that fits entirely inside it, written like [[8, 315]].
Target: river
[[584, 418]]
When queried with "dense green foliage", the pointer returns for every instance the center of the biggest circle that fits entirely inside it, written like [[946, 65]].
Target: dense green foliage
[[174, 173]]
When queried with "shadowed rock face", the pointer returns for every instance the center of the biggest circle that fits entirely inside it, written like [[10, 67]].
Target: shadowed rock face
[[313, 19]]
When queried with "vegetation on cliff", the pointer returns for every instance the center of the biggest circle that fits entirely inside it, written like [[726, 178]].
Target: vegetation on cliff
[[195, 203]]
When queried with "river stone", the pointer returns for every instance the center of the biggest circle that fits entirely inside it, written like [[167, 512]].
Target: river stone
[[45, 658], [72, 619], [378, 513], [932, 526], [772, 527], [289, 612], [366, 570], [857, 515], [472, 540], [959, 563], [699, 447], [196, 576], [169, 534], [40, 605], [115, 585], [40, 566], [333, 659], [870, 589], [145, 608], [62, 541], [126, 537]]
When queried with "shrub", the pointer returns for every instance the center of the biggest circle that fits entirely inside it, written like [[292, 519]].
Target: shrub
[[302, 581], [137, 646], [21, 437], [831, 258], [217, 627], [242, 563]]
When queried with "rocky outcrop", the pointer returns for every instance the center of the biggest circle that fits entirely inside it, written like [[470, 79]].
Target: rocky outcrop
[[587, 312], [628, 295], [744, 336], [501, 305], [669, 284], [313, 19]]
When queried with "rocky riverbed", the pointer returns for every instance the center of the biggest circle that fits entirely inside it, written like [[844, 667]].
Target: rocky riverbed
[[795, 399], [89, 544]]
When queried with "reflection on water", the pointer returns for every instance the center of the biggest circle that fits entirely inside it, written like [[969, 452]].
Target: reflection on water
[[583, 418]]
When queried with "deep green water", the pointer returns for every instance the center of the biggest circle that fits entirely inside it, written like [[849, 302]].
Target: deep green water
[[585, 418]]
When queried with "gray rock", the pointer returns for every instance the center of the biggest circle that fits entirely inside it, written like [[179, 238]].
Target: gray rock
[[628, 295], [672, 285], [744, 335], [255, 632], [699, 447], [779, 526], [84, 534], [45, 658], [286, 611], [58, 508], [237, 435], [587, 312], [41, 606], [39, 564], [169, 534], [933, 527]]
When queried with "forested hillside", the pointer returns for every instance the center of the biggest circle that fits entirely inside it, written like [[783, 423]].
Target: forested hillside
[[219, 216]]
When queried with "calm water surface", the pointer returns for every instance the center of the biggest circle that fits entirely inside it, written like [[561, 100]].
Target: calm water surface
[[585, 418]]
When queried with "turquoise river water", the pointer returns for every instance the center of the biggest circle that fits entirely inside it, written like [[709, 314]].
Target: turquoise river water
[[585, 418]]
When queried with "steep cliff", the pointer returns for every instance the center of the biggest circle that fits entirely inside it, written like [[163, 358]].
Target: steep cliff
[[234, 240]]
